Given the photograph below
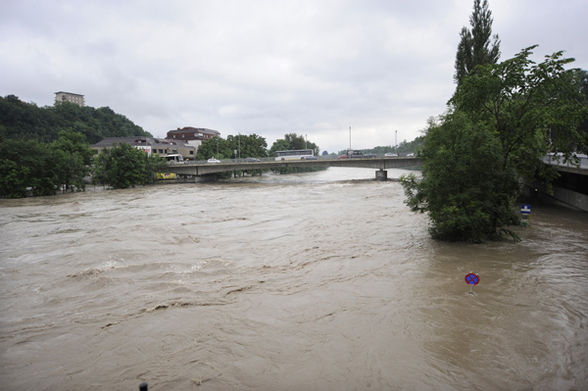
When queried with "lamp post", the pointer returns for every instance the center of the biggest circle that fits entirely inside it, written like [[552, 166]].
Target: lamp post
[[396, 141], [350, 138]]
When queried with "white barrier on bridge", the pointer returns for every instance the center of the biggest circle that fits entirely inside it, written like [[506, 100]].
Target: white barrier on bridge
[[557, 159]]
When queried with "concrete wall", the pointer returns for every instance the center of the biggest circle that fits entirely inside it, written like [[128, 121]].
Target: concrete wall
[[571, 198]]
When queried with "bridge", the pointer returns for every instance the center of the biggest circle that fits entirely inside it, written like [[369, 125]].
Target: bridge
[[381, 164], [571, 187]]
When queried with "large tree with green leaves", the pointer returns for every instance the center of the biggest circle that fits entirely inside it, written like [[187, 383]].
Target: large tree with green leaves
[[29, 166], [476, 46], [73, 159], [26, 166], [124, 166], [292, 141], [496, 132], [234, 146]]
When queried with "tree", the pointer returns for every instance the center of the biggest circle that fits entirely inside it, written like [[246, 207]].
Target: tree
[[73, 158], [216, 147], [292, 141], [496, 132], [474, 46], [464, 187], [247, 145], [124, 166], [526, 104], [24, 166]]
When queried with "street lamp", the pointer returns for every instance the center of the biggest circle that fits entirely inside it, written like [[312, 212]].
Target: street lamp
[[350, 138]]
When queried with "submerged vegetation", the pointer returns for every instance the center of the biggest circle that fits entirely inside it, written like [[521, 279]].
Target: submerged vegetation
[[502, 120]]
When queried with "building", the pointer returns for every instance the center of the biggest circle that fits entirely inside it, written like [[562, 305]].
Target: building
[[150, 145], [63, 96], [192, 136]]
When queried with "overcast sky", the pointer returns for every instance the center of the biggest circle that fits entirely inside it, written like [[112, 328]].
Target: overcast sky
[[266, 67]]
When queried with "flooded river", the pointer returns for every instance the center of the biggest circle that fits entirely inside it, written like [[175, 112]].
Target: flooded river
[[318, 281]]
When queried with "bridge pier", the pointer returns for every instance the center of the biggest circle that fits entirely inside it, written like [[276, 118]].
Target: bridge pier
[[381, 175]]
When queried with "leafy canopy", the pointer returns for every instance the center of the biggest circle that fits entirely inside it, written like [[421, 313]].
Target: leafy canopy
[[124, 166], [44, 168], [475, 47], [292, 141], [502, 120], [232, 147]]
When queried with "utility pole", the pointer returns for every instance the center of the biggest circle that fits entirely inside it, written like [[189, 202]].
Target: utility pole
[[396, 141], [306, 141], [350, 138]]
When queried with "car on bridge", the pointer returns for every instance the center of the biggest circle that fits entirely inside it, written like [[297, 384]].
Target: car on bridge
[[252, 159], [213, 160]]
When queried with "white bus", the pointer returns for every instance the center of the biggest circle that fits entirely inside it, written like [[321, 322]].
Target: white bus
[[174, 158], [296, 154]]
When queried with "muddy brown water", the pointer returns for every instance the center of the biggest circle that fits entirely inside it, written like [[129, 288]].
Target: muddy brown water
[[319, 281]]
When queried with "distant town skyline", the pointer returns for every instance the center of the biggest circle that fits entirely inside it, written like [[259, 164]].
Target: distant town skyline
[[314, 68]]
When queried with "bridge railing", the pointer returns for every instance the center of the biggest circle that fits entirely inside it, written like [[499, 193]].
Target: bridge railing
[[557, 159], [272, 159]]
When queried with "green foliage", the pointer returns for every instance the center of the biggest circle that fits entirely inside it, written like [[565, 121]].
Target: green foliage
[[123, 166], [474, 46], [497, 131], [534, 108], [464, 186], [250, 145], [404, 147], [27, 164], [292, 141], [13, 178], [216, 147], [247, 145], [44, 168], [27, 121], [73, 158]]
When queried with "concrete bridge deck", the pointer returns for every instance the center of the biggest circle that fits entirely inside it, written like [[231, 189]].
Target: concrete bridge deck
[[381, 164]]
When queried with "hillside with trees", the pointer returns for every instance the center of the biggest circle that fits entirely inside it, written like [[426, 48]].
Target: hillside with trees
[[21, 120], [44, 150]]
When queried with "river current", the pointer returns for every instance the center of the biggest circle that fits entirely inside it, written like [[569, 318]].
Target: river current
[[316, 281]]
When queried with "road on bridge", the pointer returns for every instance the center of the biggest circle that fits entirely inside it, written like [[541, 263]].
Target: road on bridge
[[203, 168]]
